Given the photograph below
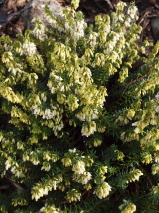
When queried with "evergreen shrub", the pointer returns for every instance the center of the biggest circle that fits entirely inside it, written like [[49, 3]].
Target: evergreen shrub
[[79, 116]]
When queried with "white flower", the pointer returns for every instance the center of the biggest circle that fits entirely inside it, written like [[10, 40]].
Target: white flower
[[88, 129], [36, 111], [119, 4], [116, 37], [103, 190], [29, 48], [155, 169], [133, 175], [93, 38], [128, 22], [34, 107], [39, 30], [127, 208], [156, 189], [134, 124], [51, 21], [72, 150], [157, 96], [66, 162], [48, 114], [84, 178], [121, 17], [73, 195], [46, 191], [8, 163], [13, 70], [8, 47], [79, 167], [157, 109], [132, 11], [51, 209], [76, 29], [156, 155], [137, 130]]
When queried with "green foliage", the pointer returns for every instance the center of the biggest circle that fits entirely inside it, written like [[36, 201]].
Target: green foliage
[[79, 125]]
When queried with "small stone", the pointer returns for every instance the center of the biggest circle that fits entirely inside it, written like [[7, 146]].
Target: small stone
[[155, 27], [35, 8]]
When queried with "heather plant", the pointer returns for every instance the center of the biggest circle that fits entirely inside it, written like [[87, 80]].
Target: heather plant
[[79, 123]]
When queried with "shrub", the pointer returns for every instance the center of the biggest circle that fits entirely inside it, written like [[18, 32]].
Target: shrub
[[79, 123]]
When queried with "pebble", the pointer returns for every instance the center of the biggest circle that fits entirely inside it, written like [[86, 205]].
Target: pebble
[[34, 9], [155, 27]]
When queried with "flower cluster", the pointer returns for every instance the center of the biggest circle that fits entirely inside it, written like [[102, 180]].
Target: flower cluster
[[54, 115], [147, 158], [103, 190], [43, 188], [97, 142], [132, 11], [79, 167], [76, 29], [127, 207], [125, 117], [73, 195], [156, 155], [11, 65], [157, 98], [66, 162], [83, 178], [39, 30], [14, 167], [155, 168], [49, 208], [75, 4], [29, 48], [133, 175], [156, 189], [120, 155], [88, 128]]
